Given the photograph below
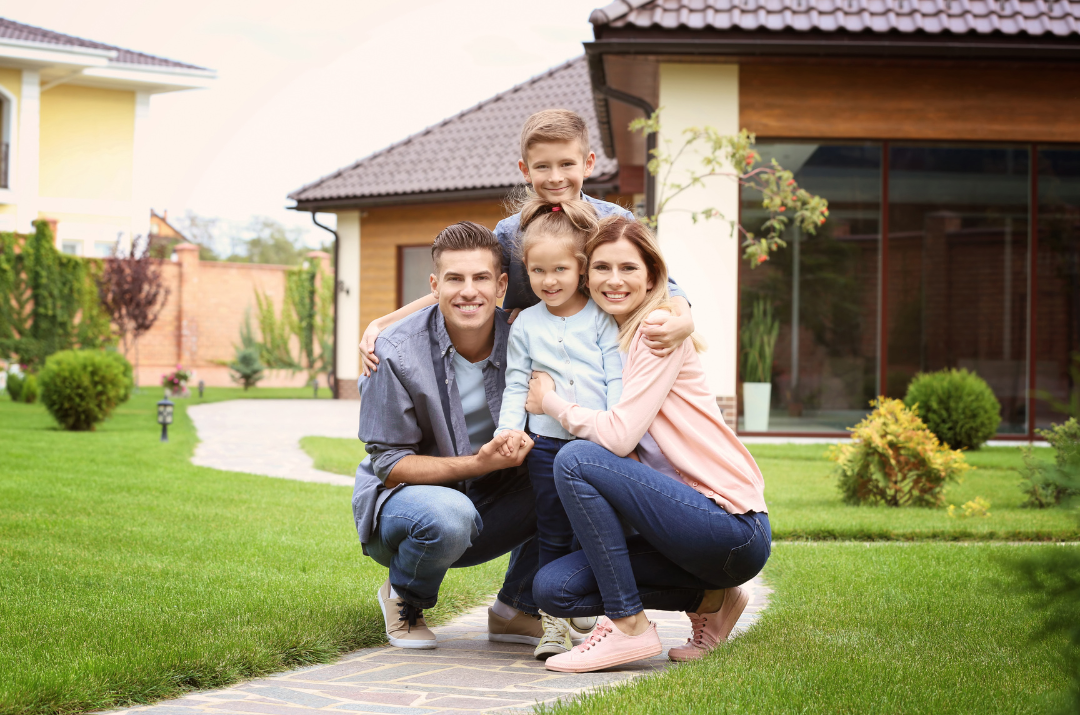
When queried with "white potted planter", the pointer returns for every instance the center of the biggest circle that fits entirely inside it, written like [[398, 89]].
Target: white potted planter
[[758, 338]]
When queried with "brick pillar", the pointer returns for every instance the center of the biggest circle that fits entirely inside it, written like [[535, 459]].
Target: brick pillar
[[188, 257]]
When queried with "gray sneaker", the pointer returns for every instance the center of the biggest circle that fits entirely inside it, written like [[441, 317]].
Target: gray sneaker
[[405, 626]]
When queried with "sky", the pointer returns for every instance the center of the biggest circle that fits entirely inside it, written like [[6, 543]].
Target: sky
[[306, 88]]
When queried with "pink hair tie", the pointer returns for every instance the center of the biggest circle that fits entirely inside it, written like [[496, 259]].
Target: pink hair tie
[[556, 208]]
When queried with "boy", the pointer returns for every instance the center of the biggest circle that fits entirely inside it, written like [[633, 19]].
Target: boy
[[555, 160]]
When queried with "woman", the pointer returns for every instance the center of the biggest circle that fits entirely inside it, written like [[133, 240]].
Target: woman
[[662, 462]]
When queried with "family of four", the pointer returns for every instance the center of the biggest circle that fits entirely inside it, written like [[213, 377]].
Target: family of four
[[572, 428]]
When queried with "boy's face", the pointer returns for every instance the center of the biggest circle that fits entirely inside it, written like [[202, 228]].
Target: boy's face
[[468, 284], [557, 170]]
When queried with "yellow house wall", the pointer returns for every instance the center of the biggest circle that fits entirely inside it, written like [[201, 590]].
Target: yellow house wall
[[87, 143], [11, 80]]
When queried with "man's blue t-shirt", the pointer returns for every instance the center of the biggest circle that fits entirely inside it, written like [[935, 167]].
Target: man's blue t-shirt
[[470, 385]]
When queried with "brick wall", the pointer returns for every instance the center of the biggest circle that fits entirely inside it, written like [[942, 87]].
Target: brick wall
[[201, 321]]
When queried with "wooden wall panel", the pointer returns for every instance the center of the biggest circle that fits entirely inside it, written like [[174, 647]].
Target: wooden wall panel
[[915, 100], [382, 230]]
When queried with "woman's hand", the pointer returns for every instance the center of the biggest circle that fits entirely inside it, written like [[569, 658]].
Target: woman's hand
[[666, 331], [368, 362], [539, 385]]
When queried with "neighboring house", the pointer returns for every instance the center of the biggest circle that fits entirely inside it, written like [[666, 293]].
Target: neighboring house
[[73, 140], [391, 204], [944, 135]]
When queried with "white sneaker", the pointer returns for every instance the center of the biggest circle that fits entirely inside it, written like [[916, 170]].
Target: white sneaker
[[583, 624], [556, 638]]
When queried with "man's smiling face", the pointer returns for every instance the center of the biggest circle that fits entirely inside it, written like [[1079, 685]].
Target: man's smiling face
[[468, 284], [557, 170]]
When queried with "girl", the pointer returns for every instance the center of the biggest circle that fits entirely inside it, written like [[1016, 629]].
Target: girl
[[568, 337]]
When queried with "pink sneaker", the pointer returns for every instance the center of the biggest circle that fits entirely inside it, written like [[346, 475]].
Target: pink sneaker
[[712, 629], [607, 647]]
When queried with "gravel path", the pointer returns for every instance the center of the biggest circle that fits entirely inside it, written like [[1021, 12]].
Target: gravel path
[[263, 436]]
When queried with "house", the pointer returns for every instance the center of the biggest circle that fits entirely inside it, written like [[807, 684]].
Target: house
[[942, 132], [73, 139], [390, 205]]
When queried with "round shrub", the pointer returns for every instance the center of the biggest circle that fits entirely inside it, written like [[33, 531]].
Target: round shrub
[[29, 392], [14, 386], [81, 388], [957, 405]]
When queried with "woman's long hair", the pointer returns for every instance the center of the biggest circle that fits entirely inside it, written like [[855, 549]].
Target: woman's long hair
[[573, 220], [612, 229]]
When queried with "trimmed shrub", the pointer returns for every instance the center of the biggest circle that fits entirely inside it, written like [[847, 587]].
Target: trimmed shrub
[[1046, 485], [247, 369], [29, 392], [894, 459], [129, 373], [81, 388], [957, 405], [14, 386]]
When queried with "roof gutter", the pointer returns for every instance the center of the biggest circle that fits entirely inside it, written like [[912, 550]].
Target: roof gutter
[[602, 89], [337, 288]]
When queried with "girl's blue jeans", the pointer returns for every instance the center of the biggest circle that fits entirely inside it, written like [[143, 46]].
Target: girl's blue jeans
[[685, 543], [553, 531]]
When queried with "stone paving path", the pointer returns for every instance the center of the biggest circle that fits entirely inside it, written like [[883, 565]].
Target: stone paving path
[[466, 674], [263, 436]]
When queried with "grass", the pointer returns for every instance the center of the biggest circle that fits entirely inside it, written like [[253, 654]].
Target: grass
[[129, 575], [861, 628], [804, 502]]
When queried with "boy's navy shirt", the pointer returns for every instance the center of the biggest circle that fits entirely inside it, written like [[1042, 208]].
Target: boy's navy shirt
[[519, 293]]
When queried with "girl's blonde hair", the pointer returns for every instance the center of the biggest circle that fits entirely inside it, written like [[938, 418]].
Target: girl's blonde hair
[[574, 221], [610, 230]]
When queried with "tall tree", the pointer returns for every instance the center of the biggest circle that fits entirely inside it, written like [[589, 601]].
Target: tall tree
[[132, 293]]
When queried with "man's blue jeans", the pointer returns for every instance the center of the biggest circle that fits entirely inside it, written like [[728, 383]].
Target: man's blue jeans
[[423, 531], [685, 542]]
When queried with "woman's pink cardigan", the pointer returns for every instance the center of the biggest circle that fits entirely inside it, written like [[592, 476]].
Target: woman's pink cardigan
[[669, 398]]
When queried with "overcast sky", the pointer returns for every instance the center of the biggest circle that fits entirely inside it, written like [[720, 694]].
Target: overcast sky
[[305, 88]]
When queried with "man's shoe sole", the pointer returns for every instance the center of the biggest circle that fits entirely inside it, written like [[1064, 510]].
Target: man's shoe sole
[[401, 642], [513, 638]]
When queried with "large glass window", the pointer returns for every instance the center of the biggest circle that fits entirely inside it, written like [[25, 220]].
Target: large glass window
[[1057, 268], [414, 272], [823, 289], [957, 268]]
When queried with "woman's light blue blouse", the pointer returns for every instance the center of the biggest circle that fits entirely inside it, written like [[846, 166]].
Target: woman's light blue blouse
[[581, 353]]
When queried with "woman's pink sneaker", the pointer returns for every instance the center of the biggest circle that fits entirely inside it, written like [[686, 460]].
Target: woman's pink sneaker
[[712, 629], [607, 647]]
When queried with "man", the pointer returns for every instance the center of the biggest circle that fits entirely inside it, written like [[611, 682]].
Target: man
[[436, 490]]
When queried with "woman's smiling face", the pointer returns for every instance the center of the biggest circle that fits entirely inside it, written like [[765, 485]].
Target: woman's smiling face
[[618, 278]]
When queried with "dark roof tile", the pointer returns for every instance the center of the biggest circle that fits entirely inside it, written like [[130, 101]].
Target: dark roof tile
[[476, 149], [983, 17]]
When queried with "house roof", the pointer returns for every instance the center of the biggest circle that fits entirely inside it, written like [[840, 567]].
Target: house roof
[[981, 17], [474, 153], [28, 33]]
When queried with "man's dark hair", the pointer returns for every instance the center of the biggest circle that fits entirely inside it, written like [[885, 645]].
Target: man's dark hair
[[466, 236]]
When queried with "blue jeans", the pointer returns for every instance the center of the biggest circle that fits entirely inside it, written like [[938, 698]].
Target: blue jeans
[[553, 530], [685, 542], [425, 530]]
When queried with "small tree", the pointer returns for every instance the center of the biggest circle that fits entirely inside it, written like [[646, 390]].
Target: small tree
[[732, 158], [132, 293], [246, 369]]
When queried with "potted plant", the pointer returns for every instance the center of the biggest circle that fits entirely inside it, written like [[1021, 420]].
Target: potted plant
[[758, 340], [175, 382]]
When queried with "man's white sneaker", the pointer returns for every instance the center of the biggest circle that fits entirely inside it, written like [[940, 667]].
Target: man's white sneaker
[[405, 626], [556, 638]]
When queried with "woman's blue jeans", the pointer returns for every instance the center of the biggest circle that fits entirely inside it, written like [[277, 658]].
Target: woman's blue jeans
[[685, 543]]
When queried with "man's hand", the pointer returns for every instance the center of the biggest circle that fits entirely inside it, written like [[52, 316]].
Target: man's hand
[[513, 316], [667, 331], [369, 363], [507, 449], [539, 385]]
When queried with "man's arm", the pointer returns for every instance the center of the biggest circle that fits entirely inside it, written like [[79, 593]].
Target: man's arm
[[369, 361], [508, 449]]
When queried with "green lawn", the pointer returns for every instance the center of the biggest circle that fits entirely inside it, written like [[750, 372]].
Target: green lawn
[[805, 504], [878, 628], [128, 575]]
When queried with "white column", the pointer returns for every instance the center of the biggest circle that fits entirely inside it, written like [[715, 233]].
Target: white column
[[140, 174], [347, 360], [704, 257], [27, 183]]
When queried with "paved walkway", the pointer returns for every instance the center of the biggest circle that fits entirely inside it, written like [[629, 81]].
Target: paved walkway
[[263, 436], [465, 674]]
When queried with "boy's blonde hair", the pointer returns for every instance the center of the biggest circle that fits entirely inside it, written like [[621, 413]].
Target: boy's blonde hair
[[554, 125], [573, 221], [612, 229]]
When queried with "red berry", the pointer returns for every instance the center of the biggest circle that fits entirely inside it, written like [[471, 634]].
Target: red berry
[[762, 259]]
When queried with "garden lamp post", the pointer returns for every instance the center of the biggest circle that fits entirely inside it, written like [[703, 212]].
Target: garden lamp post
[[202, 385], [164, 417]]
